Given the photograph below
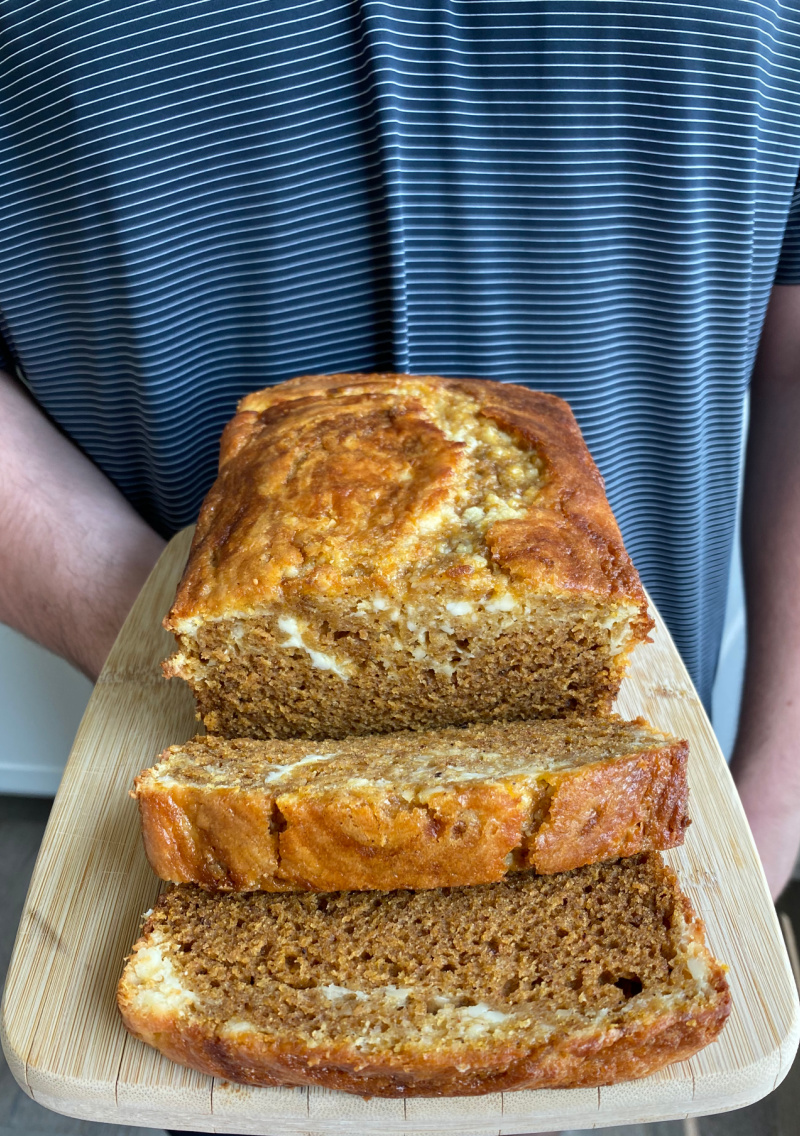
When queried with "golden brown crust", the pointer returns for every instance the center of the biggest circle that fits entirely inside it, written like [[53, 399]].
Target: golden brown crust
[[570, 541], [346, 465], [330, 842], [609, 810], [223, 841], [593, 1058], [360, 831]]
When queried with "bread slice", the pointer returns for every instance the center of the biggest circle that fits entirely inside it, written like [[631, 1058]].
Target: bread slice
[[583, 978], [416, 810], [389, 552]]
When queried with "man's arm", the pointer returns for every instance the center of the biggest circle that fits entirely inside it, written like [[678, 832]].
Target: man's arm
[[766, 761], [73, 553]]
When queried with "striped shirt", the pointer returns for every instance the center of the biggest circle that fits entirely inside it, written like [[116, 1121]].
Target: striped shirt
[[592, 197]]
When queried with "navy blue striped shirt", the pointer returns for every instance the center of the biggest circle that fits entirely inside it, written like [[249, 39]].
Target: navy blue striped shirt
[[592, 197]]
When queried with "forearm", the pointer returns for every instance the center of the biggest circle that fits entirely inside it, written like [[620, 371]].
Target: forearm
[[74, 553], [766, 762]]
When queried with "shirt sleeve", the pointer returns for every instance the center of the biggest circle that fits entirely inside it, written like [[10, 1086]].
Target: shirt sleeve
[[788, 271]]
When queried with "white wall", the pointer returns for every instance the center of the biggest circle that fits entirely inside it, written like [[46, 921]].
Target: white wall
[[42, 699], [727, 692]]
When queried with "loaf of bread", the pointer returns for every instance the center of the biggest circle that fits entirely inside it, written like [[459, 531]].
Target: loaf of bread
[[411, 810], [583, 978], [390, 552]]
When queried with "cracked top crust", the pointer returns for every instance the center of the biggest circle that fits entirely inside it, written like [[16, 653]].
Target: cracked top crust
[[338, 484]]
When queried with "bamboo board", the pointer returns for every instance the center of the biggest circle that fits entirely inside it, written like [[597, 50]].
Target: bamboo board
[[68, 1049]]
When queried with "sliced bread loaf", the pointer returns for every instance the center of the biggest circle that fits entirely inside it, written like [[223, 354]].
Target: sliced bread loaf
[[417, 810], [387, 552], [581, 978]]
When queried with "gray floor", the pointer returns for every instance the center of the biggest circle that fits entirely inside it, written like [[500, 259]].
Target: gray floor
[[22, 822]]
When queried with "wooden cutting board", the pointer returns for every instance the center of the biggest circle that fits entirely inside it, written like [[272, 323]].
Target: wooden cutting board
[[66, 1044]]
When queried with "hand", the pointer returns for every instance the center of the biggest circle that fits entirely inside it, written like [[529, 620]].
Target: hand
[[74, 553], [766, 760], [769, 796]]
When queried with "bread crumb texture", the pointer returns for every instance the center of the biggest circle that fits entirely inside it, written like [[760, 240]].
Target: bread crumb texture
[[581, 978], [384, 552]]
